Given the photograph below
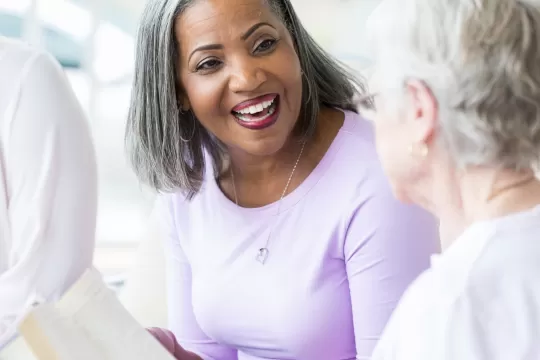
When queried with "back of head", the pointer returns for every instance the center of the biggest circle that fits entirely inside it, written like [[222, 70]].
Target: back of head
[[481, 59]]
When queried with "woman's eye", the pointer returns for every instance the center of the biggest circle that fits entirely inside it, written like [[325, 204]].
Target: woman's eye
[[265, 45], [208, 64]]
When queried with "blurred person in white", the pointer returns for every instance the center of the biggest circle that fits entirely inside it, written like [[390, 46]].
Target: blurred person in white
[[48, 184], [457, 117]]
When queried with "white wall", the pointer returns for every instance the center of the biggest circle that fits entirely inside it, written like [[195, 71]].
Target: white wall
[[339, 27]]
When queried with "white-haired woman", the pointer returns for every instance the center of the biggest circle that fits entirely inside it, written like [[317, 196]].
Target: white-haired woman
[[458, 132]]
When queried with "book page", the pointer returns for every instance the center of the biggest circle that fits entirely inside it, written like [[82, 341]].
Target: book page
[[89, 323], [16, 350]]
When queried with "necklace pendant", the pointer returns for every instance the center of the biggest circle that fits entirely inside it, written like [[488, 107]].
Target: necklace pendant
[[262, 255]]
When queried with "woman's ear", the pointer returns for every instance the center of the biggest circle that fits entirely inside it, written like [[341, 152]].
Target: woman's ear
[[425, 110]]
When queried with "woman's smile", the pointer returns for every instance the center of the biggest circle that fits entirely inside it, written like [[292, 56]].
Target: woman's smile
[[258, 113]]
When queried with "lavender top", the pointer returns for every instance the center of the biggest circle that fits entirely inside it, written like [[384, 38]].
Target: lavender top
[[341, 254]]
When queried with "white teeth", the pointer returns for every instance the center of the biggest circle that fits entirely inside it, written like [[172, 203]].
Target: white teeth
[[245, 118], [253, 109]]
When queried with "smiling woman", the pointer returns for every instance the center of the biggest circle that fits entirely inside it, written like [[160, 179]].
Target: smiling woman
[[276, 206], [200, 65], [253, 79]]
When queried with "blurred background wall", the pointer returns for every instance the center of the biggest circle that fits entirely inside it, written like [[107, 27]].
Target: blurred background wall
[[94, 41]]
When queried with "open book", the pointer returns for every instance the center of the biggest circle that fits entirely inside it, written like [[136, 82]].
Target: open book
[[88, 323]]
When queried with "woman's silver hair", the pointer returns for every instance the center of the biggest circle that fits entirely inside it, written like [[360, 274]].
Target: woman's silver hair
[[167, 146], [481, 60]]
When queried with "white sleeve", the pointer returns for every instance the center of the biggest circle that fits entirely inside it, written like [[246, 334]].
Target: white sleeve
[[49, 170]]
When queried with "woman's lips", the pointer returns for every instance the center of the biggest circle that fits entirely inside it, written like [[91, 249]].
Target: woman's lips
[[260, 119]]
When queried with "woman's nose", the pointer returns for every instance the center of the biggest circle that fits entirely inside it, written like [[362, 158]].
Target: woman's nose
[[246, 77]]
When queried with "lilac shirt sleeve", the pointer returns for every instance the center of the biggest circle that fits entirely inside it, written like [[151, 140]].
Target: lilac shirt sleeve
[[387, 245], [182, 320]]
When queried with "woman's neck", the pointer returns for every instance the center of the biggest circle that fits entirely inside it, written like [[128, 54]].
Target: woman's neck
[[488, 193], [481, 194], [255, 169], [260, 180]]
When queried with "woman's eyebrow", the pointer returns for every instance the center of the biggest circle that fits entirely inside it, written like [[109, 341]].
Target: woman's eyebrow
[[252, 29]]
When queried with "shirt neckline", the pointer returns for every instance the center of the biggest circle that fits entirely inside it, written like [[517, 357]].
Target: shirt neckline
[[297, 194]]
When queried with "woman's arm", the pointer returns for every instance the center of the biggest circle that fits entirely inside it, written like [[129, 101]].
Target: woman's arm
[[50, 186], [182, 320], [388, 244]]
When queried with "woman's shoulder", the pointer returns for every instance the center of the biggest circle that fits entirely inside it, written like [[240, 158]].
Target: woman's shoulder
[[16, 56], [25, 67], [355, 161], [177, 201], [355, 153], [14, 46], [358, 133]]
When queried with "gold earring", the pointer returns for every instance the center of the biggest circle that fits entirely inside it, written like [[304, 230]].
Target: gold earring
[[419, 149]]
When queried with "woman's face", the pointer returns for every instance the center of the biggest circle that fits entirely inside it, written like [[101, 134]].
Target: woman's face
[[240, 73], [392, 147], [404, 125]]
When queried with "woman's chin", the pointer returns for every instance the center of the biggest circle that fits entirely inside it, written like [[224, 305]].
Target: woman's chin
[[402, 193], [262, 151], [262, 146]]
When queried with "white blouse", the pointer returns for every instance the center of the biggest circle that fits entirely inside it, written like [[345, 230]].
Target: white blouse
[[48, 184], [479, 301]]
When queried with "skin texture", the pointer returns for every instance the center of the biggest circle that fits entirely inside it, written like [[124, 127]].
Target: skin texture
[[242, 65], [402, 134]]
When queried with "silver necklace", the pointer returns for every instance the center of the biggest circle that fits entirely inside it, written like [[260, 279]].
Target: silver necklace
[[262, 253]]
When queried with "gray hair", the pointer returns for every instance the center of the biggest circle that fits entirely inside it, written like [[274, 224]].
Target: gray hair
[[481, 60], [167, 146]]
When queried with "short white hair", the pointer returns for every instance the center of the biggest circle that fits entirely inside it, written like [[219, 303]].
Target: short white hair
[[481, 60]]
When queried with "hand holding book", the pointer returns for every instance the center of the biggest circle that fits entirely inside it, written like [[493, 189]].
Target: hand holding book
[[168, 340]]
